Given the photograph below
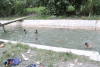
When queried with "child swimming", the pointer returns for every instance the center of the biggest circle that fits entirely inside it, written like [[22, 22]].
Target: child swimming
[[36, 32], [86, 45]]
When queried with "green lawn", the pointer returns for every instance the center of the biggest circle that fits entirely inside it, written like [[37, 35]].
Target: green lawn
[[35, 9]]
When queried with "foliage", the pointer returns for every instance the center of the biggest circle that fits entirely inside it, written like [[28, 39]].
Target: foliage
[[33, 3], [90, 7], [96, 6], [19, 7], [77, 4], [44, 2], [10, 7], [71, 8], [6, 7], [57, 7], [60, 7], [52, 7]]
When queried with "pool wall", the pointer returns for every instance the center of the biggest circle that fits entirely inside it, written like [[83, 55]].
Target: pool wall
[[93, 55], [73, 24]]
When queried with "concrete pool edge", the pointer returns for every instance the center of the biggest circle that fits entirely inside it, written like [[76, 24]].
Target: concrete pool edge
[[73, 24], [93, 55]]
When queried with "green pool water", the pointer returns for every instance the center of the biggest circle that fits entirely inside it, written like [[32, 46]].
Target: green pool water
[[58, 37]]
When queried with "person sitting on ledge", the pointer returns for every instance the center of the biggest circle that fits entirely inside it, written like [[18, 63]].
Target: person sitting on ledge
[[86, 45], [2, 44], [36, 32]]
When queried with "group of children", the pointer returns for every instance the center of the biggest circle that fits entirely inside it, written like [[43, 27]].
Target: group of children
[[36, 32]]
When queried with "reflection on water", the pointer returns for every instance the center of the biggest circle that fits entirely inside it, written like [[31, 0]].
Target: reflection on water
[[59, 37]]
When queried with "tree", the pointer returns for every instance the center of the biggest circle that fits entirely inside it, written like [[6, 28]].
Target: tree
[[6, 7], [78, 4], [91, 7], [10, 7], [56, 7], [60, 7], [96, 7]]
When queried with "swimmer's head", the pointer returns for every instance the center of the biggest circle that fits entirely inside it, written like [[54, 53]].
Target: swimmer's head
[[36, 39], [24, 30], [86, 43], [36, 30]]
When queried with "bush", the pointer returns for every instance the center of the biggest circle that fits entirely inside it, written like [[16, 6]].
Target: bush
[[19, 7], [56, 7], [11, 7], [33, 3], [96, 7], [6, 7]]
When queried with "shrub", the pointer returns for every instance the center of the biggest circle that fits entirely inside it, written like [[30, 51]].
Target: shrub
[[11, 7], [96, 6], [19, 7], [33, 3], [6, 7]]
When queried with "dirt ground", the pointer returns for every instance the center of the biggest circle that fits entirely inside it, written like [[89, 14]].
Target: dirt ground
[[69, 63], [72, 63], [45, 58]]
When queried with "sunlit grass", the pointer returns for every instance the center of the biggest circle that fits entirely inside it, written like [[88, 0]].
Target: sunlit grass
[[35, 9]]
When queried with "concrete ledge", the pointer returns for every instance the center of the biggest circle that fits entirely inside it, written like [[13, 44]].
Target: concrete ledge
[[92, 54], [77, 24], [60, 22]]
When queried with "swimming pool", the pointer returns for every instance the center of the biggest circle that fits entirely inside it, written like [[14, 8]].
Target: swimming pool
[[58, 37]]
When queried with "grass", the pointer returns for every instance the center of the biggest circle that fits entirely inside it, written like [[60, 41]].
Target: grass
[[35, 9], [46, 57]]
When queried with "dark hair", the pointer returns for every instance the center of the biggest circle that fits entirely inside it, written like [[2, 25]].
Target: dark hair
[[24, 30], [5, 63], [36, 38], [86, 43]]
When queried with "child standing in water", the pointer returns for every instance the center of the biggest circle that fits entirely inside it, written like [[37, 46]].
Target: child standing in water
[[25, 32], [36, 32]]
